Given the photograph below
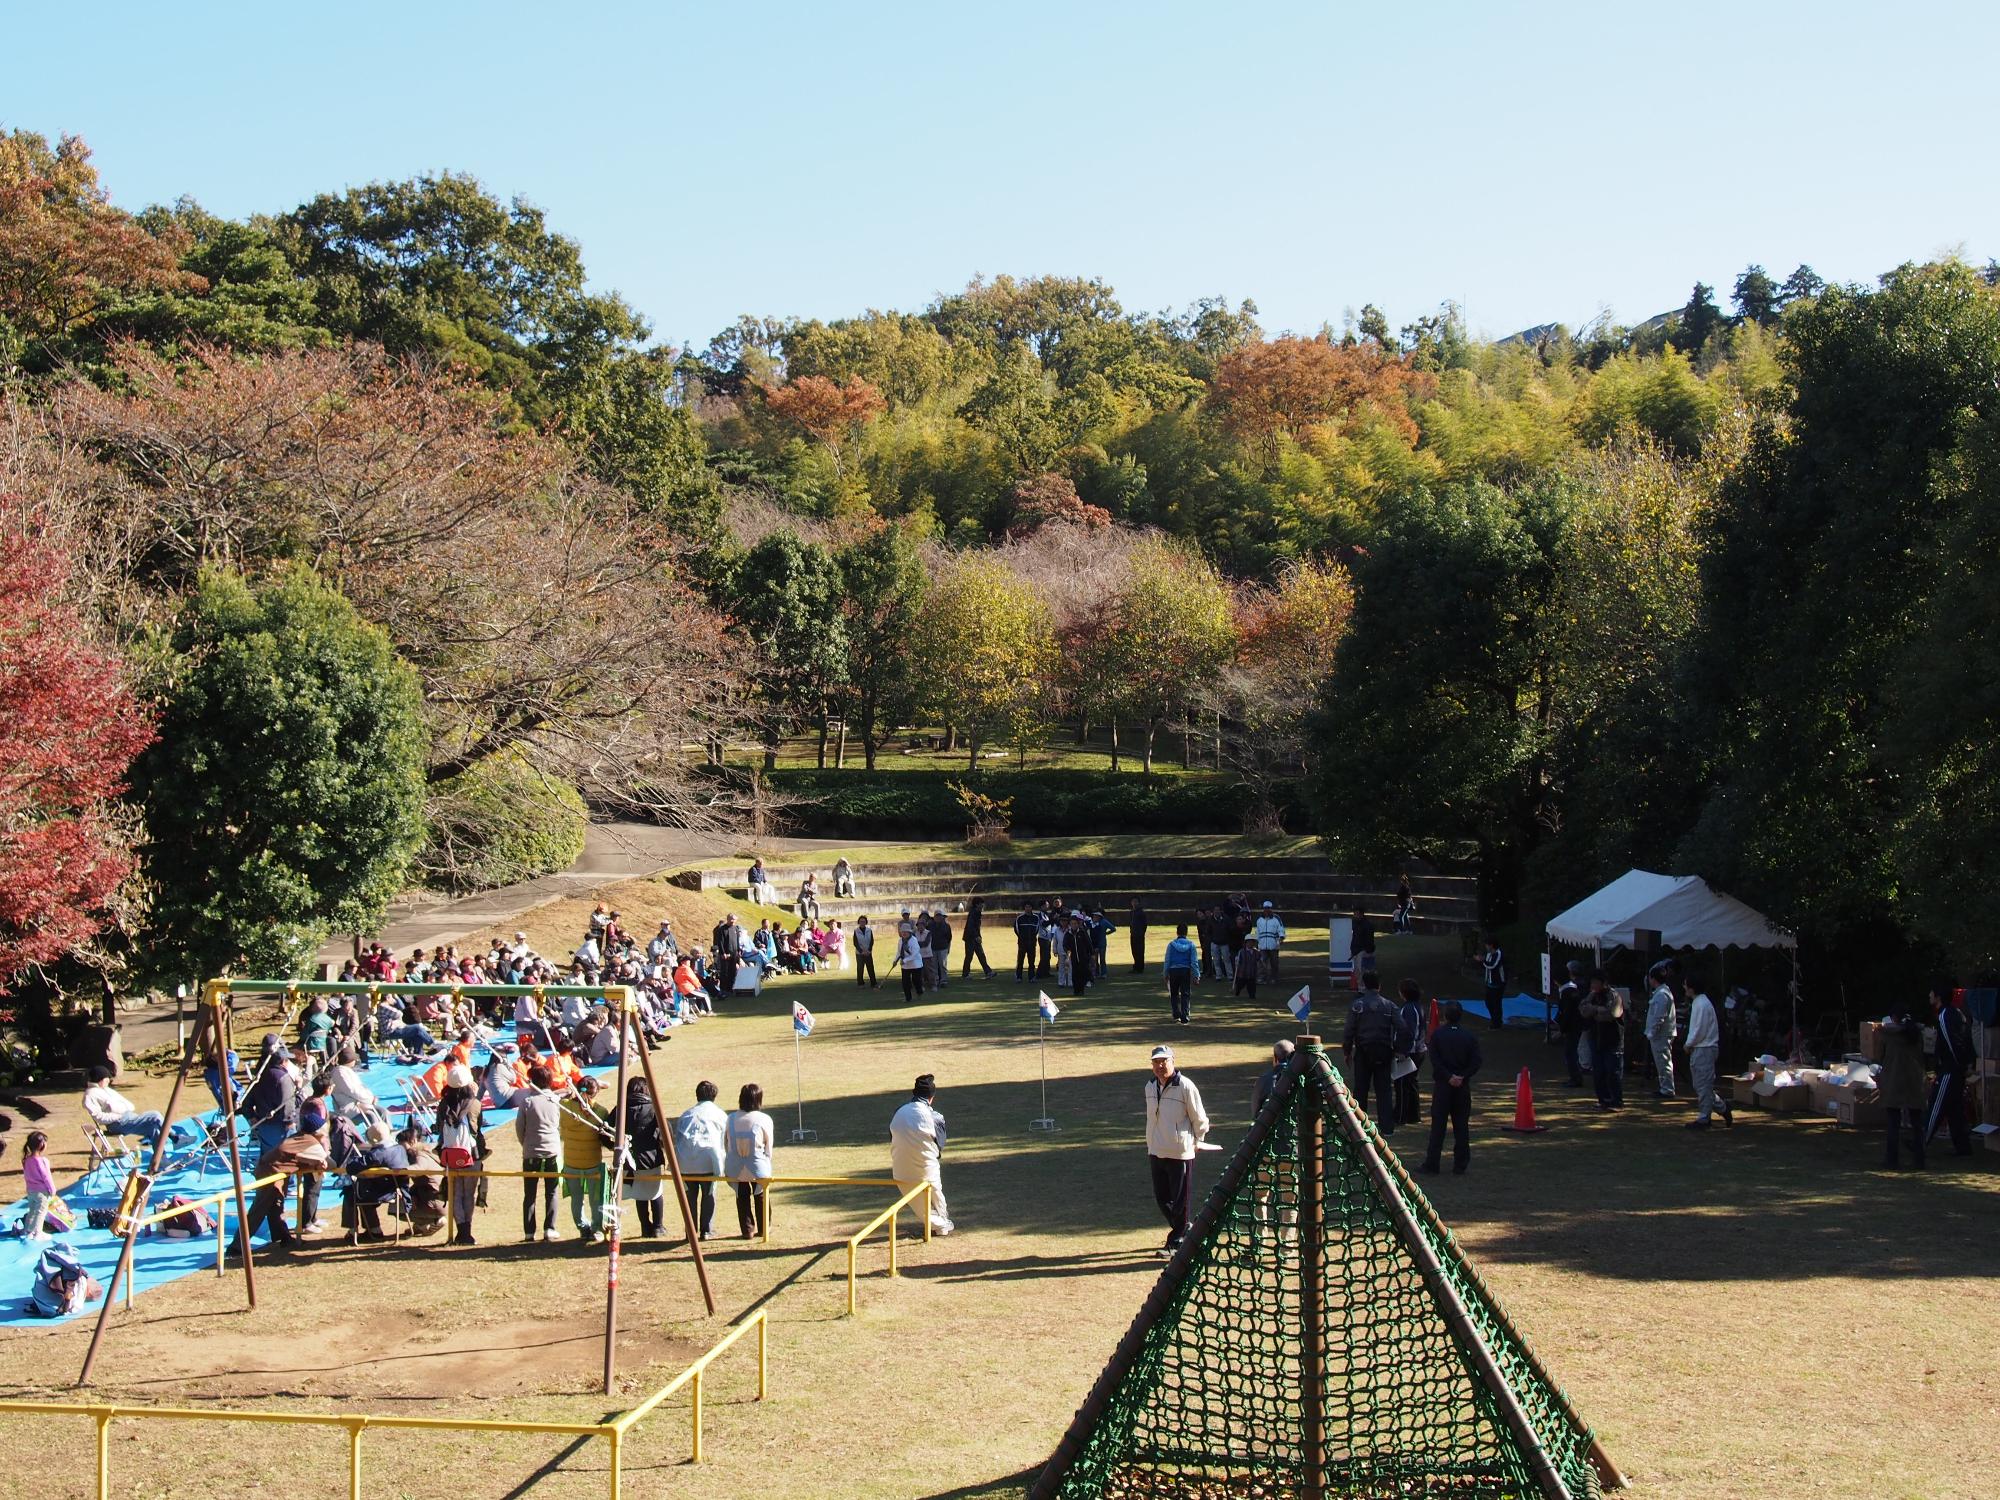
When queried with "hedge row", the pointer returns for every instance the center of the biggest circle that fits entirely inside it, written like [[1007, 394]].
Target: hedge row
[[921, 804]]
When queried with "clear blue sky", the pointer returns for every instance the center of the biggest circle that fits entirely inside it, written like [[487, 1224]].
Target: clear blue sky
[[1533, 162]]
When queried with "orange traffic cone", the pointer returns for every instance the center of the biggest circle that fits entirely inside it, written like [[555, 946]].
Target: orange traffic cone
[[1436, 1020], [1524, 1107]]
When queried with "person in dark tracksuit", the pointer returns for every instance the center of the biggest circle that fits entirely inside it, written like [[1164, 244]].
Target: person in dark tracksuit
[[1454, 1059], [1411, 1043], [973, 939], [1027, 929], [1603, 1011], [1371, 1043], [1135, 925], [1954, 1065], [1569, 1022]]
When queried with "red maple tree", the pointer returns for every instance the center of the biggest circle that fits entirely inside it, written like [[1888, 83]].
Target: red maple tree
[[69, 728]]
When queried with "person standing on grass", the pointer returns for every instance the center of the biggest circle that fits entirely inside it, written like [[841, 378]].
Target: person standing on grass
[[1704, 1044], [752, 1148], [1176, 1125], [864, 955], [726, 948], [1493, 973], [1135, 926], [1660, 1023], [973, 939], [1048, 943], [538, 1127], [910, 959], [1406, 905], [1247, 960], [926, 950], [646, 1157], [1101, 928], [1954, 1064], [1081, 944], [699, 1136], [1413, 1043], [916, 1146], [1370, 1042], [1361, 943], [1901, 1081], [1183, 968], [941, 945], [1027, 931], [1603, 1010], [584, 1132], [1454, 1059], [1270, 935], [1569, 1022], [458, 1151]]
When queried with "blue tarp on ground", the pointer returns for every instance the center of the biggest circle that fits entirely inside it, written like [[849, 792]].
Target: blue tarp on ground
[[156, 1259]]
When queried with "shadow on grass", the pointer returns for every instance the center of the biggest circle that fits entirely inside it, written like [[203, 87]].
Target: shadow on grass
[[1034, 1267], [1015, 1485]]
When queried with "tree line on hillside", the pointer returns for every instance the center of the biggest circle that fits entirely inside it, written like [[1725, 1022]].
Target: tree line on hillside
[[1697, 593]]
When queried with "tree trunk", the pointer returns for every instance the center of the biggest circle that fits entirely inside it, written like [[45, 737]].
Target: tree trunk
[[1114, 744], [771, 749], [1152, 728], [972, 755], [869, 745], [1187, 743], [840, 748], [822, 739], [1218, 739], [1083, 729], [950, 737]]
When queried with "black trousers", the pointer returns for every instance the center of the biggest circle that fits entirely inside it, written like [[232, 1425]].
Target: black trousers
[[1409, 1103], [1138, 950], [1173, 1190], [1045, 962], [1494, 1006], [1369, 1073], [975, 947], [913, 984], [1947, 1109], [701, 1206], [864, 968], [1455, 1105], [1180, 985], [725, 967], [1899, 1119], [750, 1208], [1024, 956], [651, 1213]]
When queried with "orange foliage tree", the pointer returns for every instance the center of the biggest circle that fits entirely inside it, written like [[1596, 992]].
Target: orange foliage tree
[[827, 411], [1286, 386]]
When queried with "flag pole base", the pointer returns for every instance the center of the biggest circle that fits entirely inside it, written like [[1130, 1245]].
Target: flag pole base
[[802, 1134], [1044, 1124]]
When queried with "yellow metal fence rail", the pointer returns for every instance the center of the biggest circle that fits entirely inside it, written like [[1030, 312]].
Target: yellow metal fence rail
[[613, 1432], [889, 1216]]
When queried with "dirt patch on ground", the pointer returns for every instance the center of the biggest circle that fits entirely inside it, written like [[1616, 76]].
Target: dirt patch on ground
[[404, 1357]]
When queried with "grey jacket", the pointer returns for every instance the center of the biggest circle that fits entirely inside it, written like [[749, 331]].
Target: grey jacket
[[538, 1126]]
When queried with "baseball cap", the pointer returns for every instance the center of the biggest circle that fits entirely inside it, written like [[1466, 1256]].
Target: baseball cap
[[1267, 906], [1163, 1051]]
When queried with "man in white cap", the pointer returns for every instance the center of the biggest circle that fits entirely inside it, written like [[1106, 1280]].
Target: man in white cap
[[1175, 1126], [916, 1144], [1270, 933]]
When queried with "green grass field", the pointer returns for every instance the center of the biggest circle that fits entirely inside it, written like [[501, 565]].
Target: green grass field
[[1089, 846], [1755, 1313]]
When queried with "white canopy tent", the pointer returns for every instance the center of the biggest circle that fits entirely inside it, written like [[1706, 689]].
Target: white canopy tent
[[1682, 909]]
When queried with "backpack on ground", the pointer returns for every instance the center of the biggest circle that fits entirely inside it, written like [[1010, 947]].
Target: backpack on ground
[[61, 1284], [192, 1222]]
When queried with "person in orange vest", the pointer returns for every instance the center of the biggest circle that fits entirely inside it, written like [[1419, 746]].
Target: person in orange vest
[[1454, 1059]]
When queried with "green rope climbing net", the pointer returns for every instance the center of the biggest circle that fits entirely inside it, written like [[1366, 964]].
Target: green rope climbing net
[[1335, 1343]]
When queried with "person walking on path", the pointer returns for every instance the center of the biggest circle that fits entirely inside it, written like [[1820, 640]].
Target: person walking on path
[[1603, 1010], [1454, 1059], [1954, 1064], [1571, 1023], [1176, 1124], [538, 1127], [1901, 1081], [1027, 929], [973, 939], [863, 939], [1661, 1019], [699, 1136], [1183, 968], [1493, 969], [916, 1146], [1270, 934], [1704, 1044], [1135, 927], [1369, 1041]]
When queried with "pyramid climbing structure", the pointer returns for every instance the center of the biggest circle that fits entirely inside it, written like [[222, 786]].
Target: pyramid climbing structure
[[1321, 1334]]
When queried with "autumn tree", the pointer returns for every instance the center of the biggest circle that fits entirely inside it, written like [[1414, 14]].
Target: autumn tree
[[984, 644], [1050, 500], [1171, 631], [284, 796], [69, 728], [882, 586], [1289, 385], [827, 411]]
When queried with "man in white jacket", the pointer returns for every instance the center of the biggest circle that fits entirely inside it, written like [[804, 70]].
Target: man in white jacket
[[1704, 1041], [916, 1145], [1175, 1126]]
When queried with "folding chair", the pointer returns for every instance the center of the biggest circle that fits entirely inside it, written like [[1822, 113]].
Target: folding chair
[[420, 1101], [115, 1155]]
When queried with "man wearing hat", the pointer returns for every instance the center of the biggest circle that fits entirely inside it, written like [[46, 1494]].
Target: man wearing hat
[[1270, 933], [916, 1146], [1175, 1126]]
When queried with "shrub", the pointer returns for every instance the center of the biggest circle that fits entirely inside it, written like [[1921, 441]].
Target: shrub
[[499, 822]]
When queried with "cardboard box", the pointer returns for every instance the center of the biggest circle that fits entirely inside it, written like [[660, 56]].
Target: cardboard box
[[1989, 1067], [1740, 1088], [1871, 1040], [1792, 1099], [1986, 1099], [1860, 1114]]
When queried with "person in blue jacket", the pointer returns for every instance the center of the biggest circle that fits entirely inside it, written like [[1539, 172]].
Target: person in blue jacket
[[1183, 968]]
